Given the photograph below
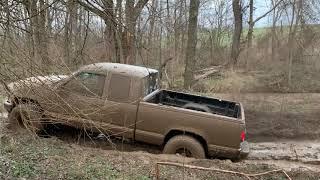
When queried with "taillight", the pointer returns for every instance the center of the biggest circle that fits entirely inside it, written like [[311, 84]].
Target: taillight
[[243, 136]]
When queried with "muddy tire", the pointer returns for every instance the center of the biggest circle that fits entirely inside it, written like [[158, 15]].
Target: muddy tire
[[197, 107], [185, 145], [25, 116]]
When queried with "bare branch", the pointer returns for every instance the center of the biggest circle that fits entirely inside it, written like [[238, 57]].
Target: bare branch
[[266, 13]]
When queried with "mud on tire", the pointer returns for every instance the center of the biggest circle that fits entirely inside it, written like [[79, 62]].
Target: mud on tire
[[188, 145]]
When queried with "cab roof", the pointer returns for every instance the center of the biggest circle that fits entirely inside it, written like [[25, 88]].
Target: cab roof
[[130, 70]]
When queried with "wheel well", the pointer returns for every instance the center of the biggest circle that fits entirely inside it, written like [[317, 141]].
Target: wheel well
[[24, 100], [173, 133]]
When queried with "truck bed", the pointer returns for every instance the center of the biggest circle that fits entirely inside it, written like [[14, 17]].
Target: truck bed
[[177, 99]]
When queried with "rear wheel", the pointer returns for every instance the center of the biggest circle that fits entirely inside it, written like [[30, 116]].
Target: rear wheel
[[26, 116], [185, 145]]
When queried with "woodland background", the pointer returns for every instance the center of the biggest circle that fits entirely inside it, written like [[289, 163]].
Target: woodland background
[[205, 45]]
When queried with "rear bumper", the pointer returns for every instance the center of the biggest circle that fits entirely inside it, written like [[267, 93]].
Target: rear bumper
[[226, 152], [244, 149], [8, 105]]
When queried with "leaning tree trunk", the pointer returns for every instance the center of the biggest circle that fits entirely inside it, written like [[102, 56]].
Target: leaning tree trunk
[[191, 44]]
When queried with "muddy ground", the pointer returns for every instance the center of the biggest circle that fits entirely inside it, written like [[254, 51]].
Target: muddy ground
[[283, 131], [272, 117]]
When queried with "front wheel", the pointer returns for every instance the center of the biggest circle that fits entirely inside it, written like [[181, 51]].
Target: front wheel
[[27, 116], [185, 145]]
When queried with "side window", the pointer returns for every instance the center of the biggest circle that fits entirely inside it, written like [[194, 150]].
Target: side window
[[119, 88], [86, 84]]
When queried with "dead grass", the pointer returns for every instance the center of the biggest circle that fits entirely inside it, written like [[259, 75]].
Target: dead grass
[[232, 81], [273, 79]]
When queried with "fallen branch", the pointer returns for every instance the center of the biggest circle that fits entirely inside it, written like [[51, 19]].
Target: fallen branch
[[205, 73], [208, 69], [203, 76], [157, 171]]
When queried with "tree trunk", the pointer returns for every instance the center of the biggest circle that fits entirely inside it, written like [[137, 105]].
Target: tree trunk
[[109, 32], [273, 35], [49, 18], [237, 12], [128, 36], [43, 36], [160, 38], [7, 29], [38, 30], [251, 25], [117, 33], [29, 36], [183, 28], [177, 28], [132, 13], [191, 44], [151, 29], [68, 32], [292, 32]]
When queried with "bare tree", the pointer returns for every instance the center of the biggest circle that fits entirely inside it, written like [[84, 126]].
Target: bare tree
[[191, 44], [237, 13], [132, 12], [70, 20], [37, 13], [294, 20], [252, 22], [277, 12]]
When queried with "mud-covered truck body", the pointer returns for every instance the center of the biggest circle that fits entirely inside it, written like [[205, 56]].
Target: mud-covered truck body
[[125, 100]]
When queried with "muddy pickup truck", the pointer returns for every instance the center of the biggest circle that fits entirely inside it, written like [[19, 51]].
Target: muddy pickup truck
[[125, 100]]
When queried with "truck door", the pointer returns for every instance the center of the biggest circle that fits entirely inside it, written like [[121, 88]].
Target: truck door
[[119, 91], [81, 102]]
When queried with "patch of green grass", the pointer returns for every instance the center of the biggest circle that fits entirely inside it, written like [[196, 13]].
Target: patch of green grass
[[33, 158], [24, 169], [142, 177], [93, 168]]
